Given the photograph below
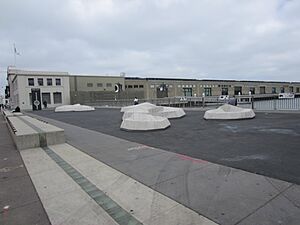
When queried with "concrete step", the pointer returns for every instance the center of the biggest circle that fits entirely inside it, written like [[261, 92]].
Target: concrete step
[[84, 190], [28, 132]]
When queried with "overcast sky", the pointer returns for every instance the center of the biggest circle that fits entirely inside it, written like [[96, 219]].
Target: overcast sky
[[211, 39]]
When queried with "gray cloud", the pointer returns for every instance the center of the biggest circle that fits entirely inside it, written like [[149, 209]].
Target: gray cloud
[[231, 39]]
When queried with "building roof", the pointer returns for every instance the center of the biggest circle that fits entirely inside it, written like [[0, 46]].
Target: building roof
[[14, 71]]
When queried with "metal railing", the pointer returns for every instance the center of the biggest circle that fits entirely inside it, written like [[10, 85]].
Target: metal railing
[[245, 101], [278, 104]]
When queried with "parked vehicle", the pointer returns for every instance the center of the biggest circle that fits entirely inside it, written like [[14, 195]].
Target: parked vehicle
[[286, 95], [223, 97]]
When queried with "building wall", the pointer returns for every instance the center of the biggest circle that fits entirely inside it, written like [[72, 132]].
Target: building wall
[[90, 89], [177, 87], [20, 89], [25, 90]]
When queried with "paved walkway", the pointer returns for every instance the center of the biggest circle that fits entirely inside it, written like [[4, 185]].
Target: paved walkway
[[222, 194], [19, 202]]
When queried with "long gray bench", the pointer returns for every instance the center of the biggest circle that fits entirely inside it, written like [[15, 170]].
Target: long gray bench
[[29, 132]]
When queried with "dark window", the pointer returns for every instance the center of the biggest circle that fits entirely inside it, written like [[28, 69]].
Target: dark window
[[57, 81], [262, 90], [252, 90], [40, 81], [297, 90], [49, 81], [89, 84], [125, 86], [141, 86], [46, 97], [108, 85], [57, 97], [135, 86], [99, 85], [187, 92], [129, 86], [207, 91], [237, 90], [224, 91], [282, 90], [30, 81], [291, 89], [274, 91]]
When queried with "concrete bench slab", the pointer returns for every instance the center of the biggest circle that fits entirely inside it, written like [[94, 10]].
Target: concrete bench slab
[[28, 132]]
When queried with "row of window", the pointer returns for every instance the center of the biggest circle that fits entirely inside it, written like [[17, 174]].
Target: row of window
[[238, 90], [134, 86], [40, 81], [99, 85], [46, 97]]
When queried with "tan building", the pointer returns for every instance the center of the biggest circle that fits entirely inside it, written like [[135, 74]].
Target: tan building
[[90, 89], [162, 87], [59, 88]]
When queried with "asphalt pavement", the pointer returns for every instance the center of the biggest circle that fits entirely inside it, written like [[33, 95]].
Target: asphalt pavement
[[268, 144], [19, 202]]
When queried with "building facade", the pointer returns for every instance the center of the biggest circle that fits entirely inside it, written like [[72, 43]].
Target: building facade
[[30, 89], [162, 87], [60, 88], [90, 89]]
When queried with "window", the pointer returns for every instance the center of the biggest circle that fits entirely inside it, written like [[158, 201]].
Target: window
[[291, 89], [262, 90], [40, 81], [49, 81], [46, 97], [108, 85], [297, 89], [224, 91], [57, 97], [252, 90], [274, 90], [129, 86], [30, 81], [282, 90], [141, 86], [99, 85], [187, 91], [207, 91], [57, 81], [237, 90], [89, 84], [135, 86]]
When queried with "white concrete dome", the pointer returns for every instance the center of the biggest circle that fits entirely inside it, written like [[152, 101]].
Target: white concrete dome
[[74, 108], [229, 112], [170, 112], [144, 122]]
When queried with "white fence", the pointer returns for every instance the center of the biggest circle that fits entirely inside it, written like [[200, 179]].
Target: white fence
[[277, 104]]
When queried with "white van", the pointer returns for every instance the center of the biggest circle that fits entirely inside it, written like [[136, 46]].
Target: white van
[[286, 95]]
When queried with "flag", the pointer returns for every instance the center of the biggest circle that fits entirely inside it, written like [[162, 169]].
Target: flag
[[15, 50]]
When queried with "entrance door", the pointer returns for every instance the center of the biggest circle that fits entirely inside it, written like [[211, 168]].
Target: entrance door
[[36, 99], [162, 91]]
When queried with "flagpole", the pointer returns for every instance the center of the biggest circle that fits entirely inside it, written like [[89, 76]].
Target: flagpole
[[15, 57]]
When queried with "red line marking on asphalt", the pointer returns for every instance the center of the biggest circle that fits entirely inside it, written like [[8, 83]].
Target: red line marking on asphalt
[[185, 157]]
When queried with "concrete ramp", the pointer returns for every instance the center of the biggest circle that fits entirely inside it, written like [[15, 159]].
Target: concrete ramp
[[170, 112], [229, 112], [144, 122], [28, 132]]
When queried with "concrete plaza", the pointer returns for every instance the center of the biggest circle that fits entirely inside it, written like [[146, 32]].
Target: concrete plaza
[[195, 172]]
